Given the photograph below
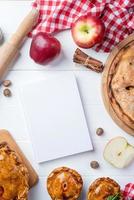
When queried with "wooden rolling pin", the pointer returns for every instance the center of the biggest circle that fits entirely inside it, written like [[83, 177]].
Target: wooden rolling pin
[[11, 48]]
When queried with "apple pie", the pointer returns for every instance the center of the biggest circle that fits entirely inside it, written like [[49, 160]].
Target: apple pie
[[120, 88], [64, 183], [102, 188], [14, 176]]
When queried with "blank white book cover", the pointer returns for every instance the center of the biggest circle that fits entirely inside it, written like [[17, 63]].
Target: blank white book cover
[[55, 117]]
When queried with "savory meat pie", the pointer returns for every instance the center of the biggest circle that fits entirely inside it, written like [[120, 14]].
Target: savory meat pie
[[14, 176], [120, 88], [102, 188], [64, 183]]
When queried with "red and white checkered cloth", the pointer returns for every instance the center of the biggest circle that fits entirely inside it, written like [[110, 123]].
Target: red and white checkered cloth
[[57, 15], [128, 192]]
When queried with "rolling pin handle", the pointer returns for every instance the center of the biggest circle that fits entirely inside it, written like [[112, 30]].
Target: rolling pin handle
[[9, 50]]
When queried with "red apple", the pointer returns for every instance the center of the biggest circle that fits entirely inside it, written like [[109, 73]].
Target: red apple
[[44, 47], [87, 31]]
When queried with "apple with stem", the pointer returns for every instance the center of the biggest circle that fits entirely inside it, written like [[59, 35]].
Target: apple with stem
[[87, 31]]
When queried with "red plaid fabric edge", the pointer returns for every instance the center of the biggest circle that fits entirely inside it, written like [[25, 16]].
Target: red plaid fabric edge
[[128, 192], [58, 15]]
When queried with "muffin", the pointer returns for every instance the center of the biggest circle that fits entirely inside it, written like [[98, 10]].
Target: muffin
[[14, 177], [64, 183], [102, 188]]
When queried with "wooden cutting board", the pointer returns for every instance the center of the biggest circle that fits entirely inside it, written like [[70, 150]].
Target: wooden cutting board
[[106, 74], [5, 136]]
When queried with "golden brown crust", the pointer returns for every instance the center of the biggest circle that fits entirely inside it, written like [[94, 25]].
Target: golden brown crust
[[14, 176], [64, 183], [102, 188], [121, 85]]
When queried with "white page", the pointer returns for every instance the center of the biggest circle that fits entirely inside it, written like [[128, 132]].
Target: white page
[[55, 117]]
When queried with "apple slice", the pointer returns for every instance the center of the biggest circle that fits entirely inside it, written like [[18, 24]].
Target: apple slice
[[119, 152]]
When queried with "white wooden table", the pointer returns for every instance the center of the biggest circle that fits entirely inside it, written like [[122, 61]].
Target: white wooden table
[[12, 117]]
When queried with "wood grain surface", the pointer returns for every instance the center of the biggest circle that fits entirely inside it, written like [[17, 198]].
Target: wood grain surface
[[5, 136]]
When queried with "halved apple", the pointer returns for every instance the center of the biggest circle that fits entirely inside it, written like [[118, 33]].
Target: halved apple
[[119, 152]]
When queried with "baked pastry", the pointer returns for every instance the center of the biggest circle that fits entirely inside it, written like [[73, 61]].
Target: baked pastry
[[122, 86], [64, 183], [14, 176], [119, 90], [102, 188]]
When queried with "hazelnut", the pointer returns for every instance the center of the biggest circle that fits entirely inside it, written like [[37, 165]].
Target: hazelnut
[[7, 92], [99, 131], [94, 165], [6, 83]]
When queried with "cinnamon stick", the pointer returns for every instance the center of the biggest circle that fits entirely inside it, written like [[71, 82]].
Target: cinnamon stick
[[91, 63]]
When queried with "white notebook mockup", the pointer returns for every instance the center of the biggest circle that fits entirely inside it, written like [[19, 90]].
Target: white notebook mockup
[[55, 117]]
